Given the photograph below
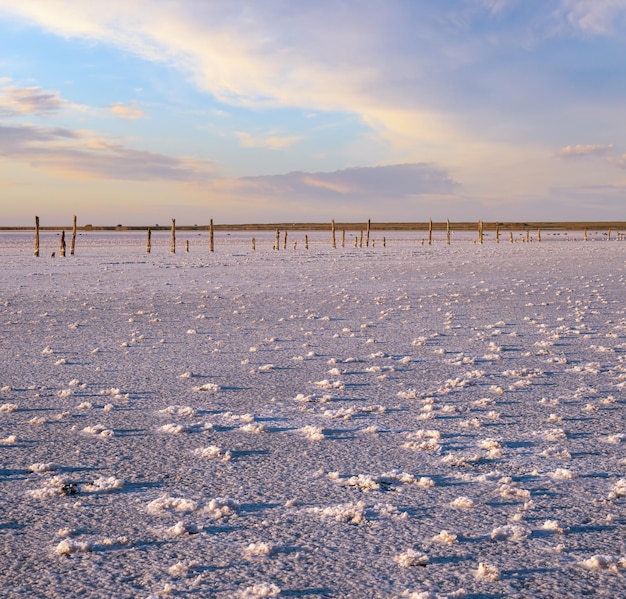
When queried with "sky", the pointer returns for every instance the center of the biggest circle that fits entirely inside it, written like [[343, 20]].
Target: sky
[[139, 111]]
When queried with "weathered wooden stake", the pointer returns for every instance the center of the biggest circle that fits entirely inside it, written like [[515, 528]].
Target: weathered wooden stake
[[539, 235], [277, 243], [253, 244], [62, 246], [384, 242], [73, 242], [430, 232], [511, 236], [343, 238], [480, 231], [306, 242], [356, 241], [295, 245], [332, 230], [497, 233], [149, 241], [211, 237], [187, 245], [447, 231], [36, 237], [285, 241], [367, 238], [528, 235], [609, 238], [173, 240], [361, 239], [585, 234]]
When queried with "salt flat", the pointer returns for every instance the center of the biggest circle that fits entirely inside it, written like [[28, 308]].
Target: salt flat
[[407, 421]]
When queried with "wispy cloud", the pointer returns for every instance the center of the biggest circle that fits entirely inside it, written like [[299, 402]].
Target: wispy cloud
[[360, 185], [584, 150], [72, 153], [18, 101], [597, 17], [272, 142], [129, 112]]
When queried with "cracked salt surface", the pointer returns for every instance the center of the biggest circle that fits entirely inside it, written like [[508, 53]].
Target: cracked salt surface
[[252, 424]]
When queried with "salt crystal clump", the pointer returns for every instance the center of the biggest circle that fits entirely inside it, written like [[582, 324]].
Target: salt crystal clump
[[7, 408], [53, 487], [312, 433], [509, 532], [183, 528], [604, 562], [445, 537], [42, 468], [181, 569], [257, 550], [103, 484], [562, 474], [259, 590], [185, 411], [253, 427], [552, 525], [10, 440], [211, 387], [174, 429], [619, 490], [411, 558], [329, 385], [463, 503], [487, 572], [98, 430], [85, 405], [213, 452], [350, 513], [166, 503], [69, 546], [221, 507]]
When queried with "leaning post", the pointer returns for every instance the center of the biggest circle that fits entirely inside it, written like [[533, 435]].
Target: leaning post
[[36, 237], [73, 242]]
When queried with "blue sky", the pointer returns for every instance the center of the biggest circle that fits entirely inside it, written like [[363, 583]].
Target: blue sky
[[138, 111]]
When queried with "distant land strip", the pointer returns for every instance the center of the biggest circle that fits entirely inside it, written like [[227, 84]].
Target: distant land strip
[[355, 226]]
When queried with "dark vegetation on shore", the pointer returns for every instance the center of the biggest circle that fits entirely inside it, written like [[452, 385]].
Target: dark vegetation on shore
[[356, 226]]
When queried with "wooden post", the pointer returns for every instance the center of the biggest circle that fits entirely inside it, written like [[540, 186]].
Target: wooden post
[[62, 246], [528, 235], [447, 231], [539, 235], [277, 242], [356, 241], [332, 230], [480, 231], [361, 239], [253, 244], [343, 238], [73, 242], [285, 241], [306, 242], [497, 233], [187, 245], [511, 236], [149, 241], [430, 232], [384, 242], [173, 240], [367, 238], [211, 237], [609, 237], [585, 234], [36, 237]]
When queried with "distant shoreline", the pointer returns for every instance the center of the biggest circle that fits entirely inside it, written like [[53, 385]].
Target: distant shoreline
[[353, 226]]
